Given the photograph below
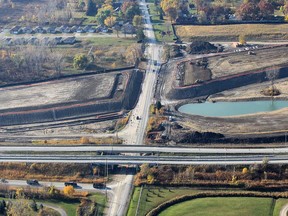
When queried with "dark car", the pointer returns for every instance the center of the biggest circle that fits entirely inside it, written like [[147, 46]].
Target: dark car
[[74, 184], [99, 185], [32, 182]]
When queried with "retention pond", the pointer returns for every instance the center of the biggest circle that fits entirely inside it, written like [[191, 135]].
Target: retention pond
[[220, 109]]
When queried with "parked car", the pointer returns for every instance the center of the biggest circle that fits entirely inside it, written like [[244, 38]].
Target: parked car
[[32, 182], [74, 184], [99, 185], [3, 180]]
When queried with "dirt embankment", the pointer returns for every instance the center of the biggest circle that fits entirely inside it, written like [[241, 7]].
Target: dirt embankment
[[221, 84], [124, 98]]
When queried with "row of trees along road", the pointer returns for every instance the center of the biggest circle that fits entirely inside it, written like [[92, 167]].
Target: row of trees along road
[[219, 11]]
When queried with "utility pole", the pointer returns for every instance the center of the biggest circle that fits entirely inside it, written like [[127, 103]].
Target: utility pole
[[285, 138], [106, 179]]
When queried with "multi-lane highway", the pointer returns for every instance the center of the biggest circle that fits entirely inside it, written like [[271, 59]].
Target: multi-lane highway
[[141, 149], [154, 159]]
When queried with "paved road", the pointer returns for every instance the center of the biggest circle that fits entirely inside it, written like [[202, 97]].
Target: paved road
[[284, 210], [133, 133], [61, 211], [155, 159], [141, 149]]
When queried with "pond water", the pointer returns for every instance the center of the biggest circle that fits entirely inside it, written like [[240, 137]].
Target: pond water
[[219, 109]]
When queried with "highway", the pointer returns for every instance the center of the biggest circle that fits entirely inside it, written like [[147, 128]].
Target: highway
[[138, 160], [142, 149]]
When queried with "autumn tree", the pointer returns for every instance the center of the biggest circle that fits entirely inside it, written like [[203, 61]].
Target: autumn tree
[[265, 8], [132, 11], [137, 20], [104, 12], [272, 75], [68, 190], [172, 13], [245, 170], [133, 53], [126, 5], [242, 39], [20, 207], [80, 61], [248, 11], [84, 140], [167, 4], [110, 21]]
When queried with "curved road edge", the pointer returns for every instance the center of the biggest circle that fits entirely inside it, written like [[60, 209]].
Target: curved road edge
[[61, 211], [284, 210]]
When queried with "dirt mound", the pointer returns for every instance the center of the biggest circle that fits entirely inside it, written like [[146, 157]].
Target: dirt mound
[[202, 47]]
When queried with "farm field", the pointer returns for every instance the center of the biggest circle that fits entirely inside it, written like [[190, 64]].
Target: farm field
[[232, 32], [222, 206]]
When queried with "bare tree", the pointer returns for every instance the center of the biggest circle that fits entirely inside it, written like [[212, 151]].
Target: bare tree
[[57, 60], [133, 53], [271, 75]]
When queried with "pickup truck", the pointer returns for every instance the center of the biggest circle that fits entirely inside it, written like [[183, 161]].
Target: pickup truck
[[32, 182], [74, 184], [99, 185]]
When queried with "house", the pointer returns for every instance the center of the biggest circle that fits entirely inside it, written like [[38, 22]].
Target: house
[[128, 29], [74, 29], [27, 30], [16, 30], [20, 41], [92, 30], [7, 41], [86, 28], [69, 40], [67, 30], [33, 40], [61, 29], [104, 30], [51, 30], [39, 29], [57, 40], [79, 30], [45, 41]]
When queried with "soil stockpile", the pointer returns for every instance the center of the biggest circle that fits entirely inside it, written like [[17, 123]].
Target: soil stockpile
[[197, 47]]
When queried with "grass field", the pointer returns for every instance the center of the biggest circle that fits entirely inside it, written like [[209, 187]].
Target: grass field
[[150, 198], [160, 25], [69, 207], [232, 32], [279, 204], [240, 206], [221, 206]]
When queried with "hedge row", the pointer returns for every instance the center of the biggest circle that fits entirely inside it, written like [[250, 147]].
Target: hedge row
[[161, 207]]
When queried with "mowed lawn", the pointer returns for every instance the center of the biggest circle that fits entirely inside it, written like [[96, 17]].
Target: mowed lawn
[[232, 32], [222, 206], [278, 206]]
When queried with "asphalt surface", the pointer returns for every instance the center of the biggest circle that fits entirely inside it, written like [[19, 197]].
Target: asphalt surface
[[134, 132], [155, 159], [141, 149]]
